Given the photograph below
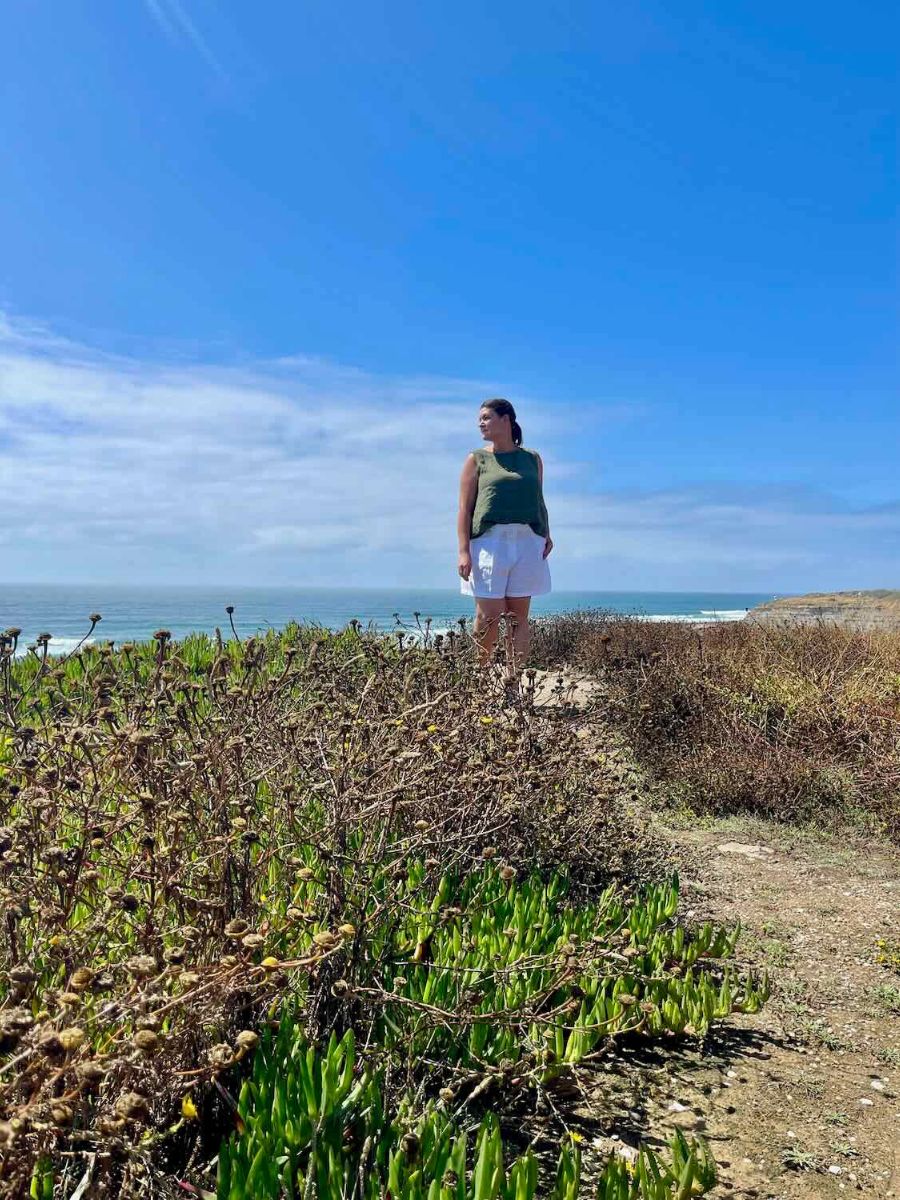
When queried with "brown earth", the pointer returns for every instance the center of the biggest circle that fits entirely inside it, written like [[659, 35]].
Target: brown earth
[[802, 1100], [879, 609]]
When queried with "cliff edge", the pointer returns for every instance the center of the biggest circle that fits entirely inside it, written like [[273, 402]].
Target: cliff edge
[[878, 609]]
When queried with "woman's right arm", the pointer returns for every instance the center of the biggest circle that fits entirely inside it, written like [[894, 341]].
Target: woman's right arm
[[468, 493]]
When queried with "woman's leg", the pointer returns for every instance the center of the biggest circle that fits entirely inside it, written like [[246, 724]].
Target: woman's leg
[[518, 634], [486, 626]]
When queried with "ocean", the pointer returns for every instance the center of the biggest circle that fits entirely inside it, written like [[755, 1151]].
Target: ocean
[[133, 613]]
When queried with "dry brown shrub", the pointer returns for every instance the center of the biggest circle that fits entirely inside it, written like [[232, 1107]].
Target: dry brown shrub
[[158, 806], [790, 721]]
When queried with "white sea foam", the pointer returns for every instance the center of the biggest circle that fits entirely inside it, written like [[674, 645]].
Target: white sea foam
[[704, 618], [58, 646]]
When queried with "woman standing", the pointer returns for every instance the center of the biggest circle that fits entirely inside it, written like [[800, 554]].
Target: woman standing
[[504, 534]]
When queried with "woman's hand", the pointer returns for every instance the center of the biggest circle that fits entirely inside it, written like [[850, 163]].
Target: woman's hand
[[548, 546], [465, 564]]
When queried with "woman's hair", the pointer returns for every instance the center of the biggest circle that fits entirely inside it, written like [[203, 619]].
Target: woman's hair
[[503, 408]]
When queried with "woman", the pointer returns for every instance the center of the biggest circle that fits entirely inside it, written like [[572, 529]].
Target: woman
[[504, 534]]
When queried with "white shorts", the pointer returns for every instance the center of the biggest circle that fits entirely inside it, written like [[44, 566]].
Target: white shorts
[[508, 560]]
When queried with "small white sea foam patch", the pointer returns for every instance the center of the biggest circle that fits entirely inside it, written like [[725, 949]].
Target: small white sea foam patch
[[724, 614], [706, 618], [418, 635], [58, 646]]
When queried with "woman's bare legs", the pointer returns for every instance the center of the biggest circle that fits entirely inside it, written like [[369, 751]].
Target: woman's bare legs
[[517, 635], [486, 627]]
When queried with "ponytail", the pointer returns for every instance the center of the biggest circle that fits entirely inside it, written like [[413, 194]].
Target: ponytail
[[503, 408]]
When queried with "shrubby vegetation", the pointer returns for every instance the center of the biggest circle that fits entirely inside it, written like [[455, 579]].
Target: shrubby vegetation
[[792, 721], [309, 908]]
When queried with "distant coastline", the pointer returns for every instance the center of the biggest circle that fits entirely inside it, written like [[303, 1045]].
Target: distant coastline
[[875, 609], [132, 613]]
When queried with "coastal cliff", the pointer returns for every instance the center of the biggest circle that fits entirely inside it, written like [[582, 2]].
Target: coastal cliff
[[878, 609]]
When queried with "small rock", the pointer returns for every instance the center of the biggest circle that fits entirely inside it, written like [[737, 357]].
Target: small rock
[[834, 1170], [629, 1153], [748, 851], [866, 1102], [877, 1084]]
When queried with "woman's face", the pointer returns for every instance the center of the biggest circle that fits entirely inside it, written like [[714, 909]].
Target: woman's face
[[492, 426]]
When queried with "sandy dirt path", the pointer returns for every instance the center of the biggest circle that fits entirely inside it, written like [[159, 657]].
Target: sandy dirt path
[[800, 1101]]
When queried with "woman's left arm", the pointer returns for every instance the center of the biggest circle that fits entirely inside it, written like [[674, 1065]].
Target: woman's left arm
[[548, 546]]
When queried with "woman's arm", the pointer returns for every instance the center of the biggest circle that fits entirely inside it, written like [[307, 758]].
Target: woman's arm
[[468, 493], [540, 465]]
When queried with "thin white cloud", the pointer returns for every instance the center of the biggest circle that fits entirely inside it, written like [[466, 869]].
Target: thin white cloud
[[305, 471], [175, 22]]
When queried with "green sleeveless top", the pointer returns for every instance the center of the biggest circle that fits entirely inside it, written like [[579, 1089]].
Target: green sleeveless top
[[509, 491]]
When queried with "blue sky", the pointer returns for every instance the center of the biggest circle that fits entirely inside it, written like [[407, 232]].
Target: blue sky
[[259, 263]]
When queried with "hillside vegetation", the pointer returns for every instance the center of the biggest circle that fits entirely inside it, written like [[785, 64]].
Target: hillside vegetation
[[316, 915], [323, 915], [795, 722]]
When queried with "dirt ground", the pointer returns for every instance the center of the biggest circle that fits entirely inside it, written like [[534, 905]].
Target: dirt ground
[[802, 1100]]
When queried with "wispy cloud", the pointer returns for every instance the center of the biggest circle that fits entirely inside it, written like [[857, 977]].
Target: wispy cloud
[[172, 17], [305, 471]]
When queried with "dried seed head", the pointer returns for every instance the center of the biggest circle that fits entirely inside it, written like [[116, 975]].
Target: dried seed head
[[236, 928], [409, 1145], [507, 874], [325, 939], [220, 1056], [110, 1125], [489, 852], [340, 988], [90, 1073], [10, 1130], [141, 966], [423, 825], [252, 941], [22, 976], [133, 1106], [72, 1037], [146, 1041], [14, 1024], [69, 999], [61, 1113], [305, 873], [247, 1040], [347, 930]]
